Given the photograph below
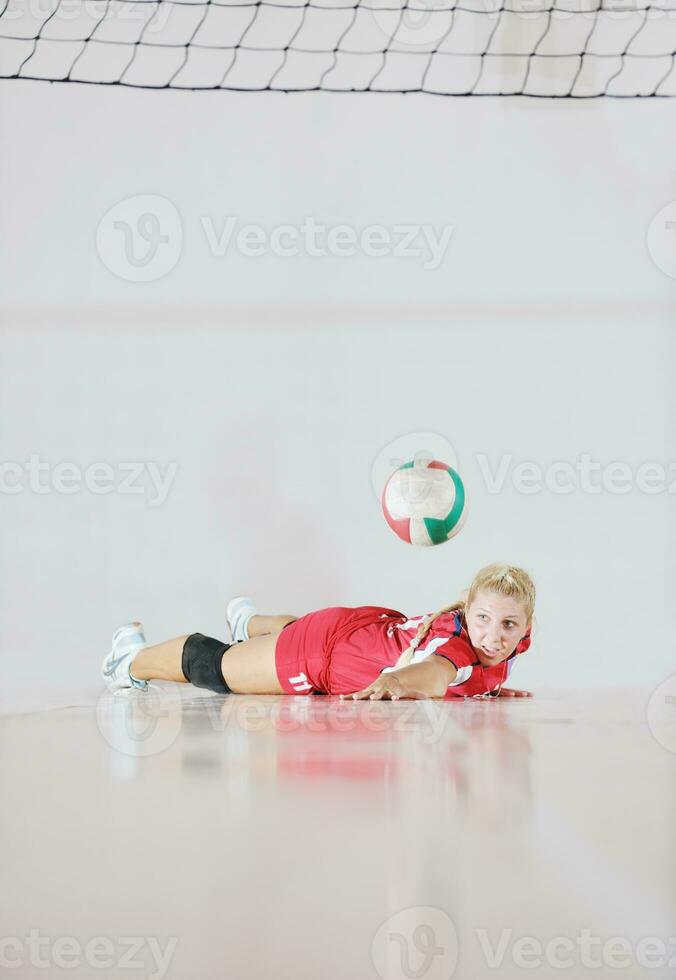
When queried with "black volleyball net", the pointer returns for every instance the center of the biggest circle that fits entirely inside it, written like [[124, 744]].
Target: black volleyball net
[[540, 48]]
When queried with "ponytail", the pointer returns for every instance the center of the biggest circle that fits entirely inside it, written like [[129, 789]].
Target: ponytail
[[407, 656]]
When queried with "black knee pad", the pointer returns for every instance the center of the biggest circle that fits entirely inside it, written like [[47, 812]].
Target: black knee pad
[[201, 662]]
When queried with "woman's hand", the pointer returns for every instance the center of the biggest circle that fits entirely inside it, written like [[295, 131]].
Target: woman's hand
[[512, 692], [428, 679], [387, 687]]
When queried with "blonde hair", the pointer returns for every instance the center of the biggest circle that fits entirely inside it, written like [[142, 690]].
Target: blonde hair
[[506, 580]]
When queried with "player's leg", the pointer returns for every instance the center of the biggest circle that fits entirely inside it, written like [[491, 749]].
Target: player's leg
[[246, 668], [245, 622], [160, 662], [260, 625], [249, 667]]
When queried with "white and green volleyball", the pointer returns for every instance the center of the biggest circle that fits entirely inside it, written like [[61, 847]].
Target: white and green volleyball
[[424, 502]]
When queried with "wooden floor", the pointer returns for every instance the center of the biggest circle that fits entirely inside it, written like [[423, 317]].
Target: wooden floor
[[196, 837]]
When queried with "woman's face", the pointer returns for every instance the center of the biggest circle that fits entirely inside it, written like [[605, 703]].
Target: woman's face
[[495, 625]]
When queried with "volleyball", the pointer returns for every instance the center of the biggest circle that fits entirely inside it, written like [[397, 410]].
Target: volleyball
[[424, 502]]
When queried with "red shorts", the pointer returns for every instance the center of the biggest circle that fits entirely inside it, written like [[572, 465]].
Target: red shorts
[[338, 650]]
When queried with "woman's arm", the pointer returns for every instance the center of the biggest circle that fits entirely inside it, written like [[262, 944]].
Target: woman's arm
[[428, 679]]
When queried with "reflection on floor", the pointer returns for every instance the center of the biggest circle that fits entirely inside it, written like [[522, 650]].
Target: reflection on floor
[[195, 837]]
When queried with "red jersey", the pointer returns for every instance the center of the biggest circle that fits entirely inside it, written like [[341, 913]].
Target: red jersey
[[342, 650], [448, 637]]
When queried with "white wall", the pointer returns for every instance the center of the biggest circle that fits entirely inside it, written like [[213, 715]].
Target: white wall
[[274, 383]]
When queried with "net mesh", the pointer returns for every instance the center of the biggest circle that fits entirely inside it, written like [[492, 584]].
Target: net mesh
[[613, 48]]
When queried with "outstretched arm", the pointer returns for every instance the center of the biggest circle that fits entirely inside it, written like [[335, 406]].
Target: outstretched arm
[[428, 679]]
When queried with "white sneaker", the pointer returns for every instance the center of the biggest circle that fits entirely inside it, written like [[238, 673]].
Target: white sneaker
[[127, 642], [238, 612]]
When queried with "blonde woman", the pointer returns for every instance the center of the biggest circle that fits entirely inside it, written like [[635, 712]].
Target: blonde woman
[[464, 650]]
